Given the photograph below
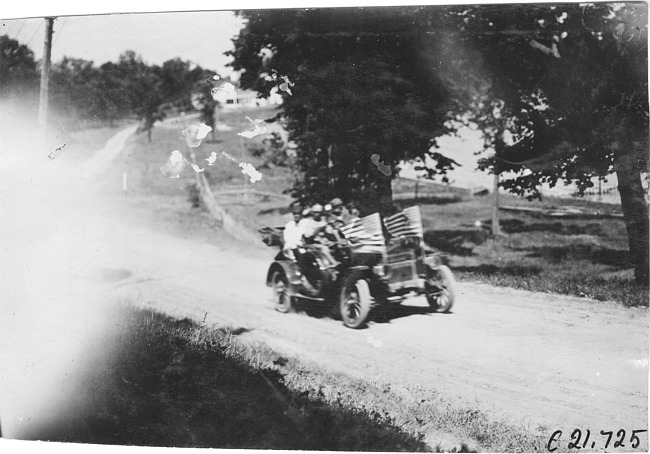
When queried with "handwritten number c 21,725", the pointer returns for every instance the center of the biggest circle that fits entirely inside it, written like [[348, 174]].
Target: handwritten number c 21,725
[[577, 442]]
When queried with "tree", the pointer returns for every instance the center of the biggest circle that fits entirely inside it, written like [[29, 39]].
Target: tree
[[144, 86], [174, 81], [19, 76], [362, 87], [178, 78], [203, 101], [111, 94], [73, 92], [571, 84]]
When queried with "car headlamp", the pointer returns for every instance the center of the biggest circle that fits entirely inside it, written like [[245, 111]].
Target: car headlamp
[[432, 260]]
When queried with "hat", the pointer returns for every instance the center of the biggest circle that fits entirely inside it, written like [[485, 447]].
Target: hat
[[336, 202], [318, 208], [296, 209], [306, 211]]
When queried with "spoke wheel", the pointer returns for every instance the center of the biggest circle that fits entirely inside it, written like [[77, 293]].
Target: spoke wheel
[[441, 289], [355, 303], [281, 295]]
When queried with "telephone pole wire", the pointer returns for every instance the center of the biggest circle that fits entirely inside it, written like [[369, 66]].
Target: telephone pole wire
[[45, 73]]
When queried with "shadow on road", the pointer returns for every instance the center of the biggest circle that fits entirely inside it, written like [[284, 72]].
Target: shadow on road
[[379, 314], [388, 313]]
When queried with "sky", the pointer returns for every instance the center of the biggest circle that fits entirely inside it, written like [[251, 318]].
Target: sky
[[101, 31], [194, 31], [199, 37]]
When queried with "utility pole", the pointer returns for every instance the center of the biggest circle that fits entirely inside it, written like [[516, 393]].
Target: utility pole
[[600, 189], [45, 73]]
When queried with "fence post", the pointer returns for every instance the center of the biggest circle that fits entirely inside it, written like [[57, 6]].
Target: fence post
[[496, 228]]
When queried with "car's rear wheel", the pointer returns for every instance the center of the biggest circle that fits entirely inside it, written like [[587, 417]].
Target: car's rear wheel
[[281, 294], [355, 303], [441, 289]]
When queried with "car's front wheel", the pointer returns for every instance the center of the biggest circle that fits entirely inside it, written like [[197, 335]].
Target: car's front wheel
[[281, 294], [355, 303], [441, 289]]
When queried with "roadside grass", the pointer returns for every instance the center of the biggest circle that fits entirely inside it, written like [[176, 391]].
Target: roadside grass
[[178, 383], [143, 161], [579, 257]]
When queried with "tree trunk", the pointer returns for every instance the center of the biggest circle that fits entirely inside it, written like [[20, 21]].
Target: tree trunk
[[386, 196], [378, 198], [635, 214]]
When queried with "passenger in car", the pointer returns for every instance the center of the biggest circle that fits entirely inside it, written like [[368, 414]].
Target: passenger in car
[[315, 224], [293, 233]]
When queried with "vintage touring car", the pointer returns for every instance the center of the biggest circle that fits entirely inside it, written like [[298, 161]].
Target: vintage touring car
[[378, 262]]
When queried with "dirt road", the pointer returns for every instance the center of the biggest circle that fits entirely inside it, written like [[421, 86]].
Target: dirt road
[[534, 359], [530, 359]]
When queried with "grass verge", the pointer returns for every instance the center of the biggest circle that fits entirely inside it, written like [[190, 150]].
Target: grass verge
[[580, 257], [177, 383]]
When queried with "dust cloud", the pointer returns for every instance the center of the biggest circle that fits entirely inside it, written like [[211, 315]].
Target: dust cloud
[[54, 311]]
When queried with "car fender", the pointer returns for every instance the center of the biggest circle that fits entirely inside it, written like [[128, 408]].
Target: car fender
[[289, 268], [354, 273]]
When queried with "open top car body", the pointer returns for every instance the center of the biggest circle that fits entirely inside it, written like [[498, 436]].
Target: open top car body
[[364, 270]]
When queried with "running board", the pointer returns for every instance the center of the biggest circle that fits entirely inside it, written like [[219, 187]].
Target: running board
[[305, 297]]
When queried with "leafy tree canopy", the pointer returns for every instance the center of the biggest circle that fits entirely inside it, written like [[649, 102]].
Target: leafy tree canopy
[[569, 82], [18, 71], [562, 79], [362, 87]]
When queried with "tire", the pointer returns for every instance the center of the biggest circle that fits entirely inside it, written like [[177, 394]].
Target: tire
[[441, 289], [281, 294], [355, 303]]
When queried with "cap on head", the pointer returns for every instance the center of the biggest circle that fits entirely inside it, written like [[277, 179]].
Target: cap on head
[[306, 211], [336, 202], [318, 208]]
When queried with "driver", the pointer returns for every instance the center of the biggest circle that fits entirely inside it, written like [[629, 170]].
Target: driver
[[315, 233], [336, 214]]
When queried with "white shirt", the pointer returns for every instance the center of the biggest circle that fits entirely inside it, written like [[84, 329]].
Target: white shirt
[[312, 226], [293, 234]]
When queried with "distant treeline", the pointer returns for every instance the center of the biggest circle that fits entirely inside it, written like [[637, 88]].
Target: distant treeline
[[82, 94]]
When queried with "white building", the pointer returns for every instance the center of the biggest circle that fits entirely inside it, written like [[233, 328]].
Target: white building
[[238, 99]]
